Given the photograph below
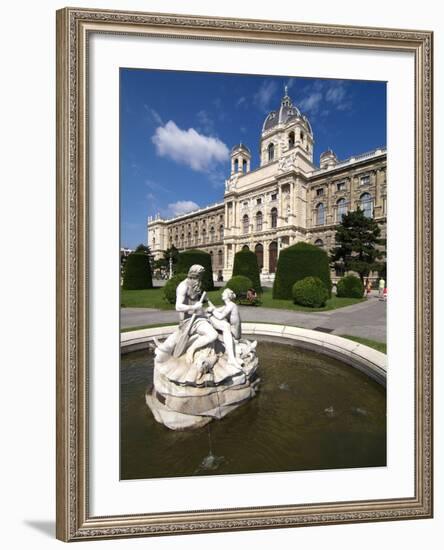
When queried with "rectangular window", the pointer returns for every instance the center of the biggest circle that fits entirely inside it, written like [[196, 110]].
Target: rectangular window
[[319, 192], [274, 196], [340, 186], [364, 180], [259, 201]]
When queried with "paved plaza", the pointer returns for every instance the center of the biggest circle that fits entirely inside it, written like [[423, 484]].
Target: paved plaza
[[366, 319]]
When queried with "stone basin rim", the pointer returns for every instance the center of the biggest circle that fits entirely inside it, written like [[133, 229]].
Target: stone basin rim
[[371, 362]]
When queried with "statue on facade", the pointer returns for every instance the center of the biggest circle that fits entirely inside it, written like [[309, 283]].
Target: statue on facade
[[204, 369]]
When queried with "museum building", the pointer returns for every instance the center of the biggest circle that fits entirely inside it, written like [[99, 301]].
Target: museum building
[[285, 200]]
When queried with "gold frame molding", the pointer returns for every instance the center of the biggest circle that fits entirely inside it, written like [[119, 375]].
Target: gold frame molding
[[73, 28]]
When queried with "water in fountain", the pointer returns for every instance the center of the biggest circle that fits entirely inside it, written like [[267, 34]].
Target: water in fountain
[[211, 462]]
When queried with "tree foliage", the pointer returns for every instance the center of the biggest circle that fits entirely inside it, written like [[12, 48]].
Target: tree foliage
[[310, 292], [239, 284], [245, 263], [358, 244], [350, 287], [195, 256], [297, 262], [137, 272], [169, 290]]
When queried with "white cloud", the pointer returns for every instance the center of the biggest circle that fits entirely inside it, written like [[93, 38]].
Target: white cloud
[[205, 121], [265, 94], [181, 207], [157, 187], [153, 115], [311, 103], [337, 95], [240, 101], [189, 147]]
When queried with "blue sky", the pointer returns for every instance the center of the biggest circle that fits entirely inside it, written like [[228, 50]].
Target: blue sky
[[177, 128]]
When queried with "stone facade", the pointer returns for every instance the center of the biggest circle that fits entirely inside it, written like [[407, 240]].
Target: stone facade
[[286, 200]]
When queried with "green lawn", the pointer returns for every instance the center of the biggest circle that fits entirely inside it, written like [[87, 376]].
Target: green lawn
[[153, 298], [379, 346]]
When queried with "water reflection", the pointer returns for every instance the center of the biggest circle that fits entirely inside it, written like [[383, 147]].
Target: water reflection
[[311, 412]]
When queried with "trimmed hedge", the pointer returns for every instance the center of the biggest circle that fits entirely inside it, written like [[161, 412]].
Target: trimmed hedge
[[169, 290], [245, 263], [350, 287], [297, 262], [239, 285], [310, 292], [191, 257], [137, 273]]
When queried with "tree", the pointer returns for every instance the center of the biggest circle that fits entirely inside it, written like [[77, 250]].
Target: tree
[[196, 256], [297, 262], [173, 253], [245, 263], [144, 249], [358, 244], [137, 274]]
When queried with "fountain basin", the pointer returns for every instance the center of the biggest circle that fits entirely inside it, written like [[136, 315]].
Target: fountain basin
[[312, 411], [368, 360]]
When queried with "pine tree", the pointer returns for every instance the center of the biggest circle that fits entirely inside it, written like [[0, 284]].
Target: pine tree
[[358, 244]]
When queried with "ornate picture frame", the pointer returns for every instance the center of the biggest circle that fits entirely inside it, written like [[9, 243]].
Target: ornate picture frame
[[74, 29]]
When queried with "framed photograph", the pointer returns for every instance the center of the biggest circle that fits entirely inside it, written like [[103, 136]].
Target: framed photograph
[[244, 274]]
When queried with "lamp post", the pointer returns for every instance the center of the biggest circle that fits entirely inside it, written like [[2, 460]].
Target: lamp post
[[171, 264]]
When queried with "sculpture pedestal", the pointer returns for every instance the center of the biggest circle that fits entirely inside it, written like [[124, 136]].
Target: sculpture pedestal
[[188, 396]]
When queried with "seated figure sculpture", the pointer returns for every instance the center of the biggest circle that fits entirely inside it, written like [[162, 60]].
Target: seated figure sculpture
[[204, 369]]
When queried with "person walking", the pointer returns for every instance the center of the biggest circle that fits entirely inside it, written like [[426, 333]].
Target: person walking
[[381, 288], [368, 288]]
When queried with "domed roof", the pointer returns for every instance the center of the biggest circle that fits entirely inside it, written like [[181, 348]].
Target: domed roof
[[240, 146], [328, 153], [286, 113]]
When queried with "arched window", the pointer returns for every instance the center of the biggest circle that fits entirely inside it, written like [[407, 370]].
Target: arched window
[[245, 224], [366, 204], [320, 214], [319, 242], [212, 234], [189, 238], [204, 235], [196, 237], [291, 140], [341, 209], [271, 152], [236, 165], [274, 217], [245, 247], [259, 219], [219, 257], [244, 166]]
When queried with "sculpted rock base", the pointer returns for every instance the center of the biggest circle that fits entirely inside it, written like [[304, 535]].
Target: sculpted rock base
[[188, 396]]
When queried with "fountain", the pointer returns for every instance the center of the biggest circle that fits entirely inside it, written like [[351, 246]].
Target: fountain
[[204, 369]]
